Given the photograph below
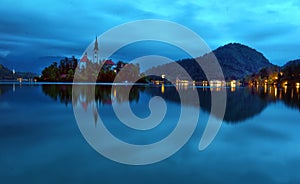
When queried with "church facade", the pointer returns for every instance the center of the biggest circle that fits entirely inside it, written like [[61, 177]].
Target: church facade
[[107, 64]]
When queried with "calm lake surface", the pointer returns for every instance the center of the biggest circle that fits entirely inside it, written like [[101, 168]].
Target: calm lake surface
[[40, 141]]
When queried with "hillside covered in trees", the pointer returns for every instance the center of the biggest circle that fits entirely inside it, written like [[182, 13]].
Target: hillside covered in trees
[[236, 61], [289, 74], [7, 74]]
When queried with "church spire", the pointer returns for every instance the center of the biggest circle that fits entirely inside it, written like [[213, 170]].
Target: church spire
[[96, 54], [96, 45]]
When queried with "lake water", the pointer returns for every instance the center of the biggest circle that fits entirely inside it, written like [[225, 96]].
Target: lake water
[[41, 142]]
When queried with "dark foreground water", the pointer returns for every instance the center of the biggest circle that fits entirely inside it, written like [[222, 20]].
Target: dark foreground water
[[40, 142]]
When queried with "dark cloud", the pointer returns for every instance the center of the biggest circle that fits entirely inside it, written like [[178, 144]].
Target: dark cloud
[[30, 29]]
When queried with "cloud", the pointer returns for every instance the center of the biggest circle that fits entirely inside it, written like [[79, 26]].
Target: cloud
[[52, 27]]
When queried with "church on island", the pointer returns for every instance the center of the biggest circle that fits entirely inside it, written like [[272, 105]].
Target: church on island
[[107, 64]]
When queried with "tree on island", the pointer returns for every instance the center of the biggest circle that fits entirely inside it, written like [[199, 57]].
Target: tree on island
[[65, 70]]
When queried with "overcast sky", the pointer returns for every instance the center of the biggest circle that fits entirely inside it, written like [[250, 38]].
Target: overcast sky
[[30, 29]]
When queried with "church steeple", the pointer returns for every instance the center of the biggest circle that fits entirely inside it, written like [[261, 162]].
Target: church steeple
[[96, 49], [96, 45]]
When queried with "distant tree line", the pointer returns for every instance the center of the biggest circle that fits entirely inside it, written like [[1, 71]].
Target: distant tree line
[[7, 74], [65, 70]]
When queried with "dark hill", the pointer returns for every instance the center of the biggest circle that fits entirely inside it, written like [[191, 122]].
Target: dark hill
[[292, 64], [291, 71], [236, 61], [5, 73]]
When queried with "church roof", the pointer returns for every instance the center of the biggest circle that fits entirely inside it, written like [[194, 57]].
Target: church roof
[[109, 62], [84, 58]]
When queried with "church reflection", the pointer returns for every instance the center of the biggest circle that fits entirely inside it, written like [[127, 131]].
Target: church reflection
[[242, 102], [82, 94]]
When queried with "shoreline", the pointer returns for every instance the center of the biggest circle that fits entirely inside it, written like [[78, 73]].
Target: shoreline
[[136, 84]]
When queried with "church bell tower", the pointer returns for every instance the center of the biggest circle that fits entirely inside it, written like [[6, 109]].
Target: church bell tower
[[96, 52]]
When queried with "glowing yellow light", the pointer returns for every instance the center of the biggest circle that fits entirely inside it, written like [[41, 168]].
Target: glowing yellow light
[[162, 88], [232, 89], [275, 92], [216, 83], [280, 94], [285, 89], [233, 83], [115, 92], [297, 85]]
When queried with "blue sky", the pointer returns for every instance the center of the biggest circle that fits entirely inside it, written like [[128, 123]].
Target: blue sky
[[31, 29]]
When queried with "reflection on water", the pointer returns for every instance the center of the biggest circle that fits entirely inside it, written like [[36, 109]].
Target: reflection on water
[[40, 141], [103, 94], [242, 103]]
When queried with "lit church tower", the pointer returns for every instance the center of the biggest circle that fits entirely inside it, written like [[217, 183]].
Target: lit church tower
[[96, 54]]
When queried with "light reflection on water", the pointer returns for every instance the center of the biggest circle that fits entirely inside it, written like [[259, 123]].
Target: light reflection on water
[[40, 140]]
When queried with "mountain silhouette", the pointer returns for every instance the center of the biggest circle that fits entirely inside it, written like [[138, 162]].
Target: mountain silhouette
[[239, 60], [5, 73], [236, 61], [293, 63]]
